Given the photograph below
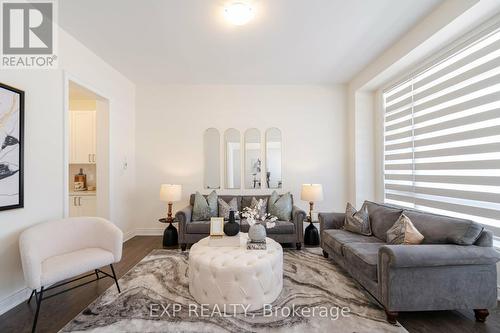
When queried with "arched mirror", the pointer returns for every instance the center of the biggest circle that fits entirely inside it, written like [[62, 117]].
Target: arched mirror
[[253, 161], [211, 143], [273, 158], [232, 146]]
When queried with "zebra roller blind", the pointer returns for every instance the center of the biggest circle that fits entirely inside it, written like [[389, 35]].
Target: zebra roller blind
[[442, 134]]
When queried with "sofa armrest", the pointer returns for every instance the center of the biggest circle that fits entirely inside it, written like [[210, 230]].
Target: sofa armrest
[[331, 221], [109, 237], [184, 215], [436, 255], [485, 239], [298, 217]]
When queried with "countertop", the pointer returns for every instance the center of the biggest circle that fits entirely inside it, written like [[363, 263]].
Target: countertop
[[81, 193]]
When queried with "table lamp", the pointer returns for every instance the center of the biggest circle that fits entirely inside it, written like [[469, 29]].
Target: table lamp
[[311, 193], [170, 193]]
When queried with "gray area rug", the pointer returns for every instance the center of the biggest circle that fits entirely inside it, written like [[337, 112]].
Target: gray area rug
[[315, 291]]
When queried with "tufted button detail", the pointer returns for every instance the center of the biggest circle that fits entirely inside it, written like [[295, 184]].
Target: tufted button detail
[[220, 275]]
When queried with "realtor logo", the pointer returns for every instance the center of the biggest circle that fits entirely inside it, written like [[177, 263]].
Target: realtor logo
[[28, 30]]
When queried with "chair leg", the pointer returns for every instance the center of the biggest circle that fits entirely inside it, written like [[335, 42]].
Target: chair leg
[[31, 296], [114, 277], [298, 246], [183, 246], [96, 273], [38, 303], [325, 254]]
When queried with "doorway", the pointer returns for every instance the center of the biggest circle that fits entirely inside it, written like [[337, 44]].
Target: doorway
[[86, 162]]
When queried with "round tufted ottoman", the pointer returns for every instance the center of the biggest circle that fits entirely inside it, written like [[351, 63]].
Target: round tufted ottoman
[[233, 277]]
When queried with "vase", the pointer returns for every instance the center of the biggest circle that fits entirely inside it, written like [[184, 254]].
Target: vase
[[257, 233], [231, 228]]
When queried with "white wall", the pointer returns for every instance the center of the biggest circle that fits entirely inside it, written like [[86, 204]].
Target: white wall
[[171, 121], [364, 149], [44, 161]]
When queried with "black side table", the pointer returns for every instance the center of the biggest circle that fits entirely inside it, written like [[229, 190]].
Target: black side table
[[311, 235], [170, 237]]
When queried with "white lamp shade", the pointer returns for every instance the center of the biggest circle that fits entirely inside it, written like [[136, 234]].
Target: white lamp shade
[[312, 192], [170, 192]]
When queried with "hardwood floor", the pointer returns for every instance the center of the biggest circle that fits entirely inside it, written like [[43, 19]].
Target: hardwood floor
[[56, 312]]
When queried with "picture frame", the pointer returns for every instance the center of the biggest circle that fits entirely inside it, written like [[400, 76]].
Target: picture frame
[[217, 226], [11, 147]]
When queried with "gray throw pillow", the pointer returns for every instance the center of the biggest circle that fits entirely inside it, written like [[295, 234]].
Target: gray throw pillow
[[226, 207], [404, 232], [357, 221], [263, 208], [280, 206], [204, 209]]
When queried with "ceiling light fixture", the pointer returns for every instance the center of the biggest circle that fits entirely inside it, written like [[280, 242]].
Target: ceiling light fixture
[[238, 13]]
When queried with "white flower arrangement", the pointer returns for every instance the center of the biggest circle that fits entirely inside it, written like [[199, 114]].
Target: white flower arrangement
[[252, 216]]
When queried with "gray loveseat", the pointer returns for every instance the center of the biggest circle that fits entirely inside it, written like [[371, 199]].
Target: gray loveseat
[[284, 232], [454, 268]]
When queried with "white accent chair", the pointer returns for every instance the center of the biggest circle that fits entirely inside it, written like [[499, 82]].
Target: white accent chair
[[62, 249]]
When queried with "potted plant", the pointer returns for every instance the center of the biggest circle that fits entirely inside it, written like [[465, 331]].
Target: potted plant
[[256, 220]]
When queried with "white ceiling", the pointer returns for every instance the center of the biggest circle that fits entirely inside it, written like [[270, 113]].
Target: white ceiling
[[288, 42]]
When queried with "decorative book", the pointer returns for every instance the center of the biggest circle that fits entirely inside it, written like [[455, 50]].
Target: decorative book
[[251, 245], [224, 241]]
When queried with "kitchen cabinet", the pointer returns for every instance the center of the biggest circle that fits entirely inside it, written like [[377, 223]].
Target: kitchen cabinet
[[82, 137], [82, 205]]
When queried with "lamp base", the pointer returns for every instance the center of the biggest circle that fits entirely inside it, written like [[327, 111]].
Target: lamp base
[[170, 237], [311, 235]]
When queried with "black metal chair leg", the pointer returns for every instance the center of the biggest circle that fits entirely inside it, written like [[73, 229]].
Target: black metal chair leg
[[114, 277], [97, 273], [31, 296], [38, 303]]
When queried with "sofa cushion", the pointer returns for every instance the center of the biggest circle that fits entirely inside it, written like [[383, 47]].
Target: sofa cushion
[[246, 201], [337, 238], [280, 206], [71, 264], [204, 207], [404, 232], [363, 258], [382, 218], [226, 206], [439, 229], [198, 227], [357, 221], [281, 227]]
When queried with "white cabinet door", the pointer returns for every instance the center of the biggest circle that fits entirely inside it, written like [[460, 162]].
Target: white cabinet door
[[82, 206], [88, 206], [74, 209], [82, 137]]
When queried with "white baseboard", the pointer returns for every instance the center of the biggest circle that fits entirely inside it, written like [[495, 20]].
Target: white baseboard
[[16, 298], [128, 235], [149, 231]]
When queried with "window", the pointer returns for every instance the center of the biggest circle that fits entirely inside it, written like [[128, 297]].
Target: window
[[442, 134]]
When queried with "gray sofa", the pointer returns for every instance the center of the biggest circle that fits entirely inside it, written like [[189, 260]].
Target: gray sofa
[[284, 232], [454, 268]]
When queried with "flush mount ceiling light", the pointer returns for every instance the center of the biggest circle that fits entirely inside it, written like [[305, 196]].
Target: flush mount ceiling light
[[238, 13]]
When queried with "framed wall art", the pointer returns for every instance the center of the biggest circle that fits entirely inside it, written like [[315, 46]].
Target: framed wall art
[[11, 147]]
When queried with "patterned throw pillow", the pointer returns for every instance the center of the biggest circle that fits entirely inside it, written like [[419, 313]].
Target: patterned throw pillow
[[404, 232], [357, 221], [263, 208], [280, 206], [204, 209], [226, 207]]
